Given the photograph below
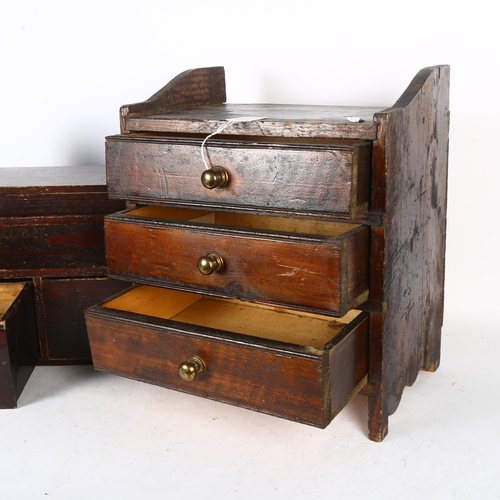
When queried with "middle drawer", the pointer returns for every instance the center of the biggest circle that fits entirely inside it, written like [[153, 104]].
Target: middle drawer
[[310, 265]]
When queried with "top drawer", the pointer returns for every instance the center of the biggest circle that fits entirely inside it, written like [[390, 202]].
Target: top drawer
[[317, 177]]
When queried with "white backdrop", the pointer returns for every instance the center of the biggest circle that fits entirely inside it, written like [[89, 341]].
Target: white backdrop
[[67, 67]]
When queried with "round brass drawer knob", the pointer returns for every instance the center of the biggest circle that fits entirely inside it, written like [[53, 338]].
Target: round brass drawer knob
[[210, 263], [216, 177], [192, 367]]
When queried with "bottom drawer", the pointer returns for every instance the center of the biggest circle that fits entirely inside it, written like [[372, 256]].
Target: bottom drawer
[[300, 366]]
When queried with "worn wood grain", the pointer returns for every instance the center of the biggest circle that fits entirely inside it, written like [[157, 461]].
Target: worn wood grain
[[29, 245], [241, 370], [275, 120], [192, 88], [276, 165], [311, 272], [331, 178], [412, 151]]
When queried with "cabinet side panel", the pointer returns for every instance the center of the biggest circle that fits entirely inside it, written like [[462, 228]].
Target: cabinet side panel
[[416, 157]]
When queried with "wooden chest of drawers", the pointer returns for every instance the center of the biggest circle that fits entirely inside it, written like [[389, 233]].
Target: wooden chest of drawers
[[52, 267], [285, 257]]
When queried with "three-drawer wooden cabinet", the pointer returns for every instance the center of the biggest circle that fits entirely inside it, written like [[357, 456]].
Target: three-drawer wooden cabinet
[[284, 257]]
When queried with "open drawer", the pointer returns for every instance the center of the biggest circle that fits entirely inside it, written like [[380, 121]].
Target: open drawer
[[303, 367], [314, 266], [19, 350]]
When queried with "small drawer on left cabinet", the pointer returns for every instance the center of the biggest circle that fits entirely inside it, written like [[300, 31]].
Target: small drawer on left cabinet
[[19, 351], [314, 266], [303, 367]]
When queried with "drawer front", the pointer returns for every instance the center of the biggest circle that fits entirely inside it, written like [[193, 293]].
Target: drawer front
[[311, 273], [302, 179], [64, 301], [305, 384]]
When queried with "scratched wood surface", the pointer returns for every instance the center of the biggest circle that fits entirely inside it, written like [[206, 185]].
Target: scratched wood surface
[[330, 178], [274, 120], [405, 212], [412, 151], [200, 96]]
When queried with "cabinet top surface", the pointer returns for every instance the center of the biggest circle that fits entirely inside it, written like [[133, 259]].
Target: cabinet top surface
[[271, 120], [52, 176]]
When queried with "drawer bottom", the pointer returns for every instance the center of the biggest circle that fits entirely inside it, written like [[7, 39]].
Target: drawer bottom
[[295, 365]]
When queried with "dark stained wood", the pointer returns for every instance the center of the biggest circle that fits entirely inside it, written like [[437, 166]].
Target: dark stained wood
[[400, 199], [18, 340], [30, 246], [314, 272], [52, 191], [63, 333], [378, 416], [330, 178], [377, 262], [196, 87], [241, 370], [412, 150], [51, 221], [51, 226]]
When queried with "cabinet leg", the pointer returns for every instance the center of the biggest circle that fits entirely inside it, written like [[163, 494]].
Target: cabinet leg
[[432, 352], [378, 416]]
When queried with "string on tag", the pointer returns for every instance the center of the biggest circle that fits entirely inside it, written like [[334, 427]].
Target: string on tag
[[221, 128], [218, 131]]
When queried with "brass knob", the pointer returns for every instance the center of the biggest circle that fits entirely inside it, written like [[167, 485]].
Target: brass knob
[[210, 263], [192, 367], [216, 177]]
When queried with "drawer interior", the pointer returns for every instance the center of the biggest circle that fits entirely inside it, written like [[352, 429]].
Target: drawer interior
[[8, 294], [257, 320], [248, 221]]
